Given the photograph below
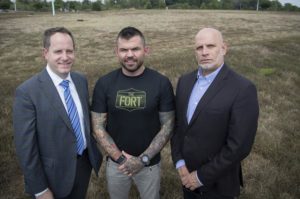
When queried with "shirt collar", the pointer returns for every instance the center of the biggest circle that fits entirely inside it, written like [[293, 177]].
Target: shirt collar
[[210, 76], [55, 78]]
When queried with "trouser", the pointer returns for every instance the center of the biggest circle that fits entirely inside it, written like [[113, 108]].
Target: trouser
[[147, 181], [83, 174]]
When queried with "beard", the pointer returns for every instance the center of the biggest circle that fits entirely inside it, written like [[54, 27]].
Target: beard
[[132, 68], [208, 68], [214, 65]]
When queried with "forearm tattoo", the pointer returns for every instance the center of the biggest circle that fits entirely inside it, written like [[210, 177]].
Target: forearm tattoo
[[102, 137], [167, 124]]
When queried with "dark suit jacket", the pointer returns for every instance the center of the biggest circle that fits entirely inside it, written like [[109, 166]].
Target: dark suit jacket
[[44, 138], [221, 131]]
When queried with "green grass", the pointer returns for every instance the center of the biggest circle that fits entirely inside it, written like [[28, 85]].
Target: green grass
[[263, 46]]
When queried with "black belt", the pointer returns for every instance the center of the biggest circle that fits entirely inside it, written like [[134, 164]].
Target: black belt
[[109, 158]]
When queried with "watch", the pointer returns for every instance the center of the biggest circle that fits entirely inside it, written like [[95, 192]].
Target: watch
[[121, 159], [145, 159]]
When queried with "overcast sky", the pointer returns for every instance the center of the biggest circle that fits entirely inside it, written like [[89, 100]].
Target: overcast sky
[[294, 2]]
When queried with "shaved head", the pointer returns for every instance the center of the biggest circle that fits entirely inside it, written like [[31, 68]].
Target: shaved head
[[210, 31], [209, 49]]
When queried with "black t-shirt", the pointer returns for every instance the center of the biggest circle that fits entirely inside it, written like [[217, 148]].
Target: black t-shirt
[[132, 105]]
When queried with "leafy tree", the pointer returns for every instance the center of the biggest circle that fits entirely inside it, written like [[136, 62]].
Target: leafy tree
[[59, 4], [227, 4], [154, 3], [73, 5], [86, 5], [265, 4], [24, 1], [134, 4], [203, 5], [290, 7], [148, 5], [97, 5], [169, 2], [252, 4], [197, 3], [37, 5], [275, 5], [161, 4], [180, 6], [214, 4], [5, 4]]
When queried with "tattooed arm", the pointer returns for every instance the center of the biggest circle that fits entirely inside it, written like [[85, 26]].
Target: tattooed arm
[[133, 164], [102, 137], [163, 136]]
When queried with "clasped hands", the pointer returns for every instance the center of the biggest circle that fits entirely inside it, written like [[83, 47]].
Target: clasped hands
[[188, 180], [132, 165]]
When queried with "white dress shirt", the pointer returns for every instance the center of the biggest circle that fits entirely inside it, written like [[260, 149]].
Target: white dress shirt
[[57, 80]]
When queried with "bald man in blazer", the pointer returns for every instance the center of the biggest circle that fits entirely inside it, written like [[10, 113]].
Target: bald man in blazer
[[216, 122], [46, 144]]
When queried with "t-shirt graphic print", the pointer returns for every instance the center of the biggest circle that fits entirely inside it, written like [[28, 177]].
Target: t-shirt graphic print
[[131, 99]]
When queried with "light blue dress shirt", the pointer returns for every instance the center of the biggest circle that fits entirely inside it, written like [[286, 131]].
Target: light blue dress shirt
[[200, 87]]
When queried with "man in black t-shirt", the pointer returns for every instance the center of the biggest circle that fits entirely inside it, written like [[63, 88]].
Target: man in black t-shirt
[[133, 117]]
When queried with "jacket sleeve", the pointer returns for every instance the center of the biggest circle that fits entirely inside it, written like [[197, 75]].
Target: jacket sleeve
[[177, 138], [25, 137], [241, 133]]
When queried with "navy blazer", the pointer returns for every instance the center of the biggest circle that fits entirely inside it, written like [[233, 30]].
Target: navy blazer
[[44, 138], [221, 132]]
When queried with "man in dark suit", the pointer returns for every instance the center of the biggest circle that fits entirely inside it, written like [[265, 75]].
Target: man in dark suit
[[216, 122], [52, 125]]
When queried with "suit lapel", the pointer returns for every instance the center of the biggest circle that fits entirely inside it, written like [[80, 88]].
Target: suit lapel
[[213, 89], [81, 93], [80, 90], [49, 89], [189, 85]]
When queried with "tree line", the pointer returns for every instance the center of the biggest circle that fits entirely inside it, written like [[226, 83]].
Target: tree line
[[60, 5]]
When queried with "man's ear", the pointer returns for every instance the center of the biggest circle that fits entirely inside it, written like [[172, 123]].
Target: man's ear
[[45, 53], [224, 48], [147, 50], [116, 51]]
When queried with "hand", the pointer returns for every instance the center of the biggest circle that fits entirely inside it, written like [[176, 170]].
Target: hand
[[47, 195], [132, 165], [193, 182], [184, 175]]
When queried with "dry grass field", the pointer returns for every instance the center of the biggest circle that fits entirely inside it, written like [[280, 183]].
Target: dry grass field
[[263, 46]]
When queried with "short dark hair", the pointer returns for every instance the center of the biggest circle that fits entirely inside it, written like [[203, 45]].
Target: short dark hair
[[51, 31], [129, 32]]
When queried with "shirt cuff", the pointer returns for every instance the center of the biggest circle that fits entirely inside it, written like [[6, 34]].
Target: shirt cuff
[[180, 163], [41, 193], [201, 184]]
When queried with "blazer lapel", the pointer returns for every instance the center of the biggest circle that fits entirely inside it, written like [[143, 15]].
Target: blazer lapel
[[213, 89], [189, 85], [80, 90], [49, 89]]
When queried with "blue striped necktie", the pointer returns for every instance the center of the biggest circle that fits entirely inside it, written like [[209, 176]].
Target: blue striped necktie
[[73, 115]]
